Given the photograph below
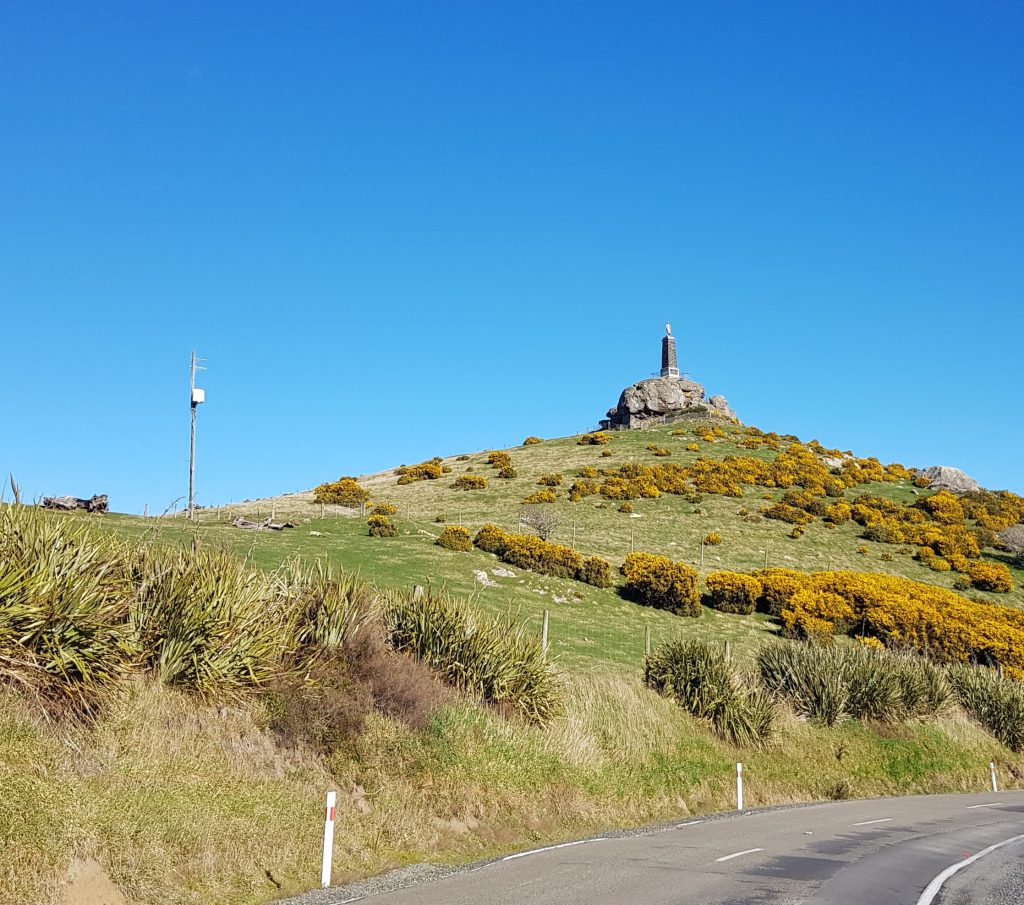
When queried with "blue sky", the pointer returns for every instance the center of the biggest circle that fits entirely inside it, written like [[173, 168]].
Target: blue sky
[[397, 230]]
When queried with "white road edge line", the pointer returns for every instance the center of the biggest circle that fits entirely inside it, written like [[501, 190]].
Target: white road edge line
[[932, 889], [679, 826], [748, 851], [991, 804], [869, 822], [551, 848]]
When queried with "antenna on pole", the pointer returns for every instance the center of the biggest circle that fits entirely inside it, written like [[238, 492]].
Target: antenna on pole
[[196, 397]]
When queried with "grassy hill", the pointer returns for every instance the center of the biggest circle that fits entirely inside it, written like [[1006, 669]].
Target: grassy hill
[[182, 798], [589, 627]]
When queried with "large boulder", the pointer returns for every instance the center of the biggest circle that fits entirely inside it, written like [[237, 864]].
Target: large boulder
[[661, 398], [945, 477]]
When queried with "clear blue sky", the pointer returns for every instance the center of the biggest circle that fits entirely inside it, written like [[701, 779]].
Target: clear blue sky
[[405, 229]]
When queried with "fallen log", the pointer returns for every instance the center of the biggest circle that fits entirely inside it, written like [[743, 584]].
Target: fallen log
[[266, 525], [98, 503]]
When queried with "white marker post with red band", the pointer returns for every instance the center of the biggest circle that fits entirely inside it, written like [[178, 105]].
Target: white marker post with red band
[[325, 870]]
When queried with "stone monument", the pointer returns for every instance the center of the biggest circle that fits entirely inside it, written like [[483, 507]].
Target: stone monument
[[667, 397]]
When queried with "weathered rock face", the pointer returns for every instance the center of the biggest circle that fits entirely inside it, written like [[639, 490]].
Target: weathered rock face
[[658, 397], [945, 477]]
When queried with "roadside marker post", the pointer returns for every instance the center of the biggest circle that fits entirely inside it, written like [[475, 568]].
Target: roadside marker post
[[325, 868], [992, 771], [739, 787]]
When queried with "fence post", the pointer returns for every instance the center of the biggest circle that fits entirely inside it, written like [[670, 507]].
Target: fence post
[[631, 548], [647, 640], [766, 556], [574, 534], [992, 771], [544, 634], [739, 787], [325, 865]]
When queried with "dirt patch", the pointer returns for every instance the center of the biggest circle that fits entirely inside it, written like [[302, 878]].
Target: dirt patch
[[88, 884]]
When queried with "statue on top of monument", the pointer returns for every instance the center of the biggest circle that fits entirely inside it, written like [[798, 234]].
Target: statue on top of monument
[[668, 328]]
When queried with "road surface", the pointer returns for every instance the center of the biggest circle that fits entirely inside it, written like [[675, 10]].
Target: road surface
[[925, 850]]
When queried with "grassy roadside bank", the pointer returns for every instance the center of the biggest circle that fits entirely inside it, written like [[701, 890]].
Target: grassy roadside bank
[[186, 802]]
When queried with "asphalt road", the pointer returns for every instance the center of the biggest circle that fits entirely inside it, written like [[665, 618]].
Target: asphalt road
[[878, 852]]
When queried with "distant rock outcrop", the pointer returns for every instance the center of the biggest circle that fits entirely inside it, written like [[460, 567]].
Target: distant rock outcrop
[[945, 477], [660, 399]]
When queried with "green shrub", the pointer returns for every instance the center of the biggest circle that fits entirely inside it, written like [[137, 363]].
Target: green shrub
[[595, 571], [507, 472], [470, 482], [659, 582], [733, 592], [626, 507], [381, 526], [550, 480], [494, 658], [343, 492], [455, 537], [698, 677]]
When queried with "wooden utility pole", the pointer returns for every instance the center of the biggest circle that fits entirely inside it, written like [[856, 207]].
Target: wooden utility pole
[[195, 397]]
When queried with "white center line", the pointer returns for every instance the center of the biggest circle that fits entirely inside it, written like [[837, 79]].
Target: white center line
[[748, 851], [991, 804], [869, 822]]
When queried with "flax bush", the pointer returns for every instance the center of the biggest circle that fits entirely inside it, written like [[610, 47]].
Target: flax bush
[[493, 658], [63, 612], [698, 677]]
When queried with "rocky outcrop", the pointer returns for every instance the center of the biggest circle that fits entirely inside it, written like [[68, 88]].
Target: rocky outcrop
[[945, 477], [661, 399]]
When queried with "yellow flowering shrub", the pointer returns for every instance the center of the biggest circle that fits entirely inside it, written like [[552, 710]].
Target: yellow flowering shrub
[[455, 537], [540, 496], [733, 592], [588, 471], [816, 615], [581, 489], [507, 472], [550, 480], [659, 582], [990, 576], [426, 471], [491, 539], [692, 447], [384, 509], [470, 482], [499, 459], [532, 441], [713, 538], [381, 526], [598, 438], [343, 492], [529, 552]]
